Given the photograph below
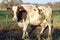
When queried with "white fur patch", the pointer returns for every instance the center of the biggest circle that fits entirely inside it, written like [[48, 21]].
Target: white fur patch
[[14, 8]]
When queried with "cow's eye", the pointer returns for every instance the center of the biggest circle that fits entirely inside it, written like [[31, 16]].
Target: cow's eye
[[34, 9]]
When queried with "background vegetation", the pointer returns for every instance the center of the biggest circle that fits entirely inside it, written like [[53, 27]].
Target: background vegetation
[[6, 19]]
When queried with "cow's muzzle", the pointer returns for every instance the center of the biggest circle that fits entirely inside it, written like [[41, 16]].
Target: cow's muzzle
[[14, 19]]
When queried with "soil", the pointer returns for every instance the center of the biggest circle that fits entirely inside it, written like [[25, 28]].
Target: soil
[[10, 33]]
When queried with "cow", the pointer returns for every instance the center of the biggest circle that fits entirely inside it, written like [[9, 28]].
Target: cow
[[28, 14]]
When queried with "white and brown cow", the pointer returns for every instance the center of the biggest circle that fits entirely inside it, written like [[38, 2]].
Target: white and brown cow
[[32, 14]]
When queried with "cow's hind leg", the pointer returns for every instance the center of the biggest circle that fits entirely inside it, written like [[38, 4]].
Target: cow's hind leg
[[42, 31], [49, 30], [49, 33], [43, 25]]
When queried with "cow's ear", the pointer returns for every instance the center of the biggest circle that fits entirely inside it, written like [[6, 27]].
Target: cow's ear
[[20, 8], [9, 8]]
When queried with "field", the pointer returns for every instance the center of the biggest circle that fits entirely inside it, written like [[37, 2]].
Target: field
[[7, 23], [6, 18]]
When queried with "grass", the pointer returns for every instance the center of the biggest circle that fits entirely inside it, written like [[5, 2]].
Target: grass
[[56, 18], [56, 11], [6, 18]]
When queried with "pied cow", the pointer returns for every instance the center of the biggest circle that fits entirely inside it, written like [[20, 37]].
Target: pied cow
[[25, 14]]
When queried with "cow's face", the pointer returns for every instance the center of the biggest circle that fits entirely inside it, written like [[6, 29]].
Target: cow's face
[[14, 13], [18, 13]]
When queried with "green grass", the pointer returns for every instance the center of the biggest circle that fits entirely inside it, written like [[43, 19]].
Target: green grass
[[56, 18], [56, 11], [6, 18], [3, 14]]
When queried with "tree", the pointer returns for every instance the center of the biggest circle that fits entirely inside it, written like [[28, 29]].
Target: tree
[[16, 1], [50, 4], [2, 5], [12, 2], [57, 5], [20, 1]]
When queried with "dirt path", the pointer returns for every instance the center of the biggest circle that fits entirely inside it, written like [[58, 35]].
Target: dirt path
[[56, 26], [16, 33]]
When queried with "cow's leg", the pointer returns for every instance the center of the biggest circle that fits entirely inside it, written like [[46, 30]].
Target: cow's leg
[[43, 25], [49, 30], [24, 32], [49, 33], [48, 18], [42, 31], [39, 35]]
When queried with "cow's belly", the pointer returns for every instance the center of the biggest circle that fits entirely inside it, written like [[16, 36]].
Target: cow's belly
[[35, 20]]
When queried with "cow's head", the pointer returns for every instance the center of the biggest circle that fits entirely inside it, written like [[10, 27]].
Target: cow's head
[[18, 13]]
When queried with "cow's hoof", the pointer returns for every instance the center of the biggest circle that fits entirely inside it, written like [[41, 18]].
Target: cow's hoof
[[23, 37]]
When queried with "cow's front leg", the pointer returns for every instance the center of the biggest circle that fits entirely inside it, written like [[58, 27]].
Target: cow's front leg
[[24, 28], [24, 32]]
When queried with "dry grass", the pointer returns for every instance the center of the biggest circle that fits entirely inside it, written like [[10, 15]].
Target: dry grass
[[56, 25]]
